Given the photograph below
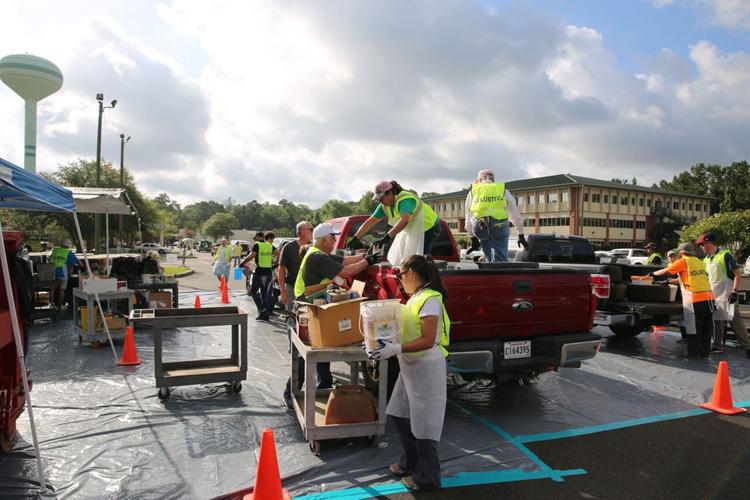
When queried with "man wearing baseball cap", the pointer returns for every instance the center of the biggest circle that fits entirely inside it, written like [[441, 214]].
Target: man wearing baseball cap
[[318, 269], [400, 206], [654, 257], [697, 299], [488, 207], [725, 276]]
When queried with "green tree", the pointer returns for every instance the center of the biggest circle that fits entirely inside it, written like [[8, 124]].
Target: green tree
[[193, 216], [220, 224], [333, 209], [366, 205], [726, 184], [732, 229]]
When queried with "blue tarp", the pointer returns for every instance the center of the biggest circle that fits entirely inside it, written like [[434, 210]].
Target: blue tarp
[[24, 190]]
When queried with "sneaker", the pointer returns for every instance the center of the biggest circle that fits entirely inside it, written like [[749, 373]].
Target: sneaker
[[396, 471], [409, 483]]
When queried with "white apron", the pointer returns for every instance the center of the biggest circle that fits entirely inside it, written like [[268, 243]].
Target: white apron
[[722, 292], [410, 241], [688, 312], [420, 392]]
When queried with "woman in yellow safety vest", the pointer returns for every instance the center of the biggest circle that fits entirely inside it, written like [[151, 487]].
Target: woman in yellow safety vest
[[399, 206], [417, 406]]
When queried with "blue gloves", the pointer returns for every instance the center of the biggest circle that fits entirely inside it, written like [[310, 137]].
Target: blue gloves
[[385, 351]]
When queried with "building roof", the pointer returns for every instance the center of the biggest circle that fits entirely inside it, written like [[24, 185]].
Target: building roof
[[569, 180]]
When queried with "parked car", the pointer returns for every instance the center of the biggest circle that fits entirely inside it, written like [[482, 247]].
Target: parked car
[[632, 256], [146, 247], [204, 246]]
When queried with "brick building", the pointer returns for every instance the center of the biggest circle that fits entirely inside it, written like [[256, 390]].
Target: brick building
[[609, 214]]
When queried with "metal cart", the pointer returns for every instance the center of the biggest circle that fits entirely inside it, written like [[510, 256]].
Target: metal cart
[[201, 371], [164, 285], [90, 334], [310, 403]]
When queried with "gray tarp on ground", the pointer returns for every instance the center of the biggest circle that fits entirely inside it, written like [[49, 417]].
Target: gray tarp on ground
[[104, 433]]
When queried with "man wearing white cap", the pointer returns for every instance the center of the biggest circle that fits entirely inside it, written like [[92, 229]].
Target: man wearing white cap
[[319, 268], [400, 206], [488, 207]]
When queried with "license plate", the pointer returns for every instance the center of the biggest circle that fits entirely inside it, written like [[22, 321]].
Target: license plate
[[517, 349]]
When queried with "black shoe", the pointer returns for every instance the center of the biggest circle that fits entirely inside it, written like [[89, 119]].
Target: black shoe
[[264, 317], [260, 316]]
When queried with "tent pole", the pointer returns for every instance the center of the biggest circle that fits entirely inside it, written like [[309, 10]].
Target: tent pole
[[106, 218], [96, 294], [21, 360]]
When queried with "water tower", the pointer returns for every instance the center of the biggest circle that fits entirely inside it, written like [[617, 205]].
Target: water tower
[[33, 78]]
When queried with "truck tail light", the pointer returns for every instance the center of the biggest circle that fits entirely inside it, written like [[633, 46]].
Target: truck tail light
[[600, 285]]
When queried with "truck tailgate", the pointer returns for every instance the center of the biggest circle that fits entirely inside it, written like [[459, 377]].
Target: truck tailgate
[[500, 303]]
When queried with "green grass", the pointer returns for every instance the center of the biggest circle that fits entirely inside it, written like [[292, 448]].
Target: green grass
[[175, 269]]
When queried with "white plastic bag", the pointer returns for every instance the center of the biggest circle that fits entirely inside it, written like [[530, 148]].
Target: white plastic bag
[[410, 241]]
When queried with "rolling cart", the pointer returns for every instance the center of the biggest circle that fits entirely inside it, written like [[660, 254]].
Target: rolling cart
[[310, 403], [201, 371], [87, 330]]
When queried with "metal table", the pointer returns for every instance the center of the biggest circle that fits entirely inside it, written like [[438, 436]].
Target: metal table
[[310, 403], [106, 298], [201, 371]]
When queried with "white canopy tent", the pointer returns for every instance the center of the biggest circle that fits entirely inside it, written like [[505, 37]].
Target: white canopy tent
[[102, 201]]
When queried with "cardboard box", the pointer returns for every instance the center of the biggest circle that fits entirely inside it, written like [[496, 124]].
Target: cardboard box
[[160, 300], [334, 325], [99, 285]]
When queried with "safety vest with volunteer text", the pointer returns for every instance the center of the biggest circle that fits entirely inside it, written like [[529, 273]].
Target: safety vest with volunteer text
[[413, 330], [265, 254], [430, 217], [227, 254], [299, 283], [488, 200], [59, 256], [716, 267], [654, 256]]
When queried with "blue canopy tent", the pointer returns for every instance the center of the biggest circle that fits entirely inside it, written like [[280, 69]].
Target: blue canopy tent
[[23, 190]]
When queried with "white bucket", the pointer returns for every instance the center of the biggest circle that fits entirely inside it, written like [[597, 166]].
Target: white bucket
[[672, 292], [380, 320]]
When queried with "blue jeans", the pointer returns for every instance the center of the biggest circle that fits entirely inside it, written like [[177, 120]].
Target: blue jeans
[[431, 236], [261, 289], [493, 237]]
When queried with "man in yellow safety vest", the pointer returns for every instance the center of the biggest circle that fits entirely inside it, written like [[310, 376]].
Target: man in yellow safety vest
[[261, 284], [488, 207]]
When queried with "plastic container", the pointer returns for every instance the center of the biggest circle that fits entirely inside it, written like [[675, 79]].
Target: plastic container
[[673, 292], [642, 280], [237, 273], [380, 320]]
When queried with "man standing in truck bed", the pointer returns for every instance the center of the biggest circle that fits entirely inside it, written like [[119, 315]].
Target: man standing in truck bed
[[724, 275], [488, 207]]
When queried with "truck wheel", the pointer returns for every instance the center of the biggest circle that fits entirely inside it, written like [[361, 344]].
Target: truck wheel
[[627, 330]]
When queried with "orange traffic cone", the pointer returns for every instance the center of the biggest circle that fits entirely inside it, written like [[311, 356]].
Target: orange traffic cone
[[197, 304], [721, 400], [224, 291], [129, 352], [267, 478]]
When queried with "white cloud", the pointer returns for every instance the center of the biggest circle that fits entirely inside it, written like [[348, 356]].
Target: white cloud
[[307, 100], [731, 13]]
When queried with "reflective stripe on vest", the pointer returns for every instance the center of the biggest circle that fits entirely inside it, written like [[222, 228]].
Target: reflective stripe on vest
[[415, 305], [697, 275], [59, 257], [488, 200], [299, 283], [430, 217], [716, 267], [265, 254], [654, 256]]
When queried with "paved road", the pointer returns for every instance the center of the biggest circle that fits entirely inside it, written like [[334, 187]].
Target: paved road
[[203, 279]]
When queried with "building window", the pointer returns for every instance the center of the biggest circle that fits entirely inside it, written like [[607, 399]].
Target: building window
[[640, 202], [675, 205], [690, 207], [648, 203], [683, 205], [453, 206], [519, 201], [564, 197], [551, 197], [640, 224], [614, 199], [585, 197], [632, 201], [595, 198], [606, 198], [594, 222], [623, 200], [705, 208], [541, 199], [530, 200]]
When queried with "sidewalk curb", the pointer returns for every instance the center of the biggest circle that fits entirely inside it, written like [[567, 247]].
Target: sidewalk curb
[[182, 275]]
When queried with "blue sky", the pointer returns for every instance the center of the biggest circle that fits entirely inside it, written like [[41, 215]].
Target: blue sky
[[312, 99]]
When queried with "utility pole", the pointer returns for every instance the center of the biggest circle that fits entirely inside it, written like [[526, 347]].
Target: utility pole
[[123, 140]]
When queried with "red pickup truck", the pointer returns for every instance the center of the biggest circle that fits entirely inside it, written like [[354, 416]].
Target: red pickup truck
[[511, 319]]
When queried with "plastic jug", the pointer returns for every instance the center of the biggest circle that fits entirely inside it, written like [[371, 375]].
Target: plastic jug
[[237, 273], [380, 320]]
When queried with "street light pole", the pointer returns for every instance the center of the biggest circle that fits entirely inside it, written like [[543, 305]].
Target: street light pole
[[123, 140], [102, 107]]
